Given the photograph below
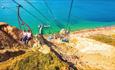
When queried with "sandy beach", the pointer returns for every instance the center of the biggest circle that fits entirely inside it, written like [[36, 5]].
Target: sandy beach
[[102, 30]]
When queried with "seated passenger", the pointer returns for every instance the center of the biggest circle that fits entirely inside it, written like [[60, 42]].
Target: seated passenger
[[26, 37]]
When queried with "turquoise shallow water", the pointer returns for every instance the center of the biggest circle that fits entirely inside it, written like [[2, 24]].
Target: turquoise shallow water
[[81, 24], [85, 14]]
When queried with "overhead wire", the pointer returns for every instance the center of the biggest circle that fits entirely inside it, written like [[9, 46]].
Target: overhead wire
[[69, 14], [20, 20], [52, 14], [28, 11], [56, 21], [37, 10]]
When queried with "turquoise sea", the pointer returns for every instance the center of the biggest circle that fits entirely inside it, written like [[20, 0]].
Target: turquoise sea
[[84, 13]]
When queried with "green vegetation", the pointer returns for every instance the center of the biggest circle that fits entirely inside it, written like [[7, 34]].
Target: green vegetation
[[37, 61], [104, 38]]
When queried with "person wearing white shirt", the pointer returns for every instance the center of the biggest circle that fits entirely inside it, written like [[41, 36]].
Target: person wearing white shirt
[[26, 37]]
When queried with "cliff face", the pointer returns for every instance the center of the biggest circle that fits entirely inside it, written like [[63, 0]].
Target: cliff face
[[9, 35]]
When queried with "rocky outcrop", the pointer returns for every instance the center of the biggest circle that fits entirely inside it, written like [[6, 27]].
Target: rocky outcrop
[[9, 35], [11, 30]]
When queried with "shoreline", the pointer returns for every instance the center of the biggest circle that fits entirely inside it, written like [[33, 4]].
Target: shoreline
[[108, 30], [99, 30], [94, 30]]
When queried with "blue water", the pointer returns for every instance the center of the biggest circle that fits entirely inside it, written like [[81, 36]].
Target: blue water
[[85, 13]]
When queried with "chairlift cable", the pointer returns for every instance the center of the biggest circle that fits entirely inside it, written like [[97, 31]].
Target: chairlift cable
[[56, 21], [69, 15], [21, 20], [37, 10], [27, 11]]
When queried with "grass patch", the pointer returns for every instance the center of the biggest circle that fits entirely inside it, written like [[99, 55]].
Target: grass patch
[[37, 61], [104, 38]]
